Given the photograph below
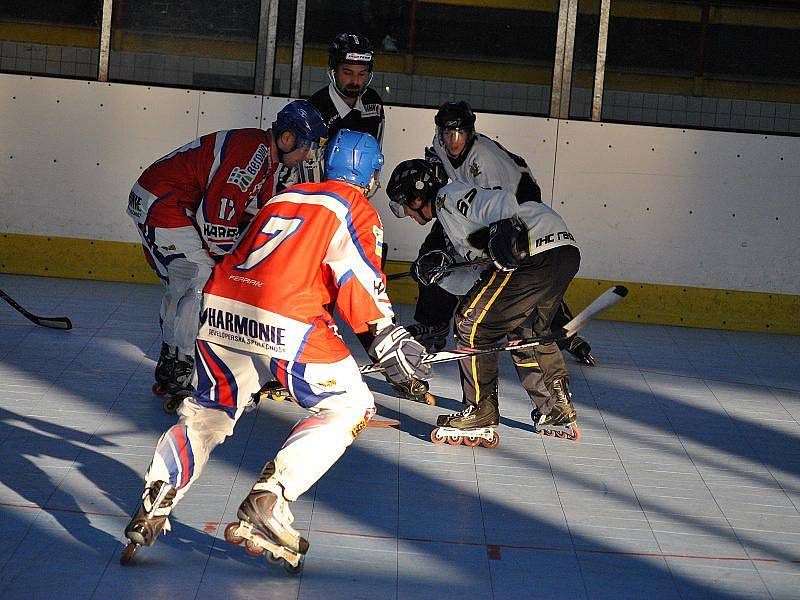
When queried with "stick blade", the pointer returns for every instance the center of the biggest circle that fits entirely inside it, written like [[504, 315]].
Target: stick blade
[[600, 304], [54, 322]]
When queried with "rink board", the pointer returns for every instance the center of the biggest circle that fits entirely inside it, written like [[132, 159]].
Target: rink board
[[689, 215]]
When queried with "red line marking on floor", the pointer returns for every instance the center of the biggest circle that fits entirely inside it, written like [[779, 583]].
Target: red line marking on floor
[[490, 548]]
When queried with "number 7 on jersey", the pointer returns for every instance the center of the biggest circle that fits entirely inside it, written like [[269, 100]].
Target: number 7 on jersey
[[277, 230]]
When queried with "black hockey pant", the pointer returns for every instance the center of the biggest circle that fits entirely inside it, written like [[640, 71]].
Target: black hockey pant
[[435, 305], [512, 305]]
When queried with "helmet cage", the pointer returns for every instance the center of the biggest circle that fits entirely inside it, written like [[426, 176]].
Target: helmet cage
[[448, 136]]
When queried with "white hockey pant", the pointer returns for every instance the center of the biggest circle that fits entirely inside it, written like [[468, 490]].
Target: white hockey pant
[[184, 266], [225, 379]]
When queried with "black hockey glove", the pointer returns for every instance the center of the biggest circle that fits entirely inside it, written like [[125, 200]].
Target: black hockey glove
[[479, 239], [508, 243], [431, 267], [399, 354]]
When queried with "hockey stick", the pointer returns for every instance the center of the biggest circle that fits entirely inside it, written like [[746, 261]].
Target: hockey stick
[[52, 322], [604, 301], [458, 265]]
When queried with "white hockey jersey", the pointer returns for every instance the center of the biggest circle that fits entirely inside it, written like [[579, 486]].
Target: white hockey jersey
[[489, 165], [465, 209]]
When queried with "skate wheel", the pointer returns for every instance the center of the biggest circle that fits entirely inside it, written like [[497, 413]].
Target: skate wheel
[[493, 444], [158, 390], [230, 536], [435, 437], [128, 552], [577, 433], [430, 399], [170, 405], [291, 569], [252, 548], [472, 441], [272, 559], [454, 440]]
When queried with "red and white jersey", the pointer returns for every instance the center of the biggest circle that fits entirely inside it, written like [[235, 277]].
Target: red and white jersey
[[207, 183], [309, 246]]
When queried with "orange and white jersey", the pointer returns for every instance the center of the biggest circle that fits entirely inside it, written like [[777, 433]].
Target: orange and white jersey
[[310, 246]]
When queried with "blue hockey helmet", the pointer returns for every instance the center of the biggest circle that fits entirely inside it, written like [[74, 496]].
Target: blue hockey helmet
[[354, 157], [303, 119]]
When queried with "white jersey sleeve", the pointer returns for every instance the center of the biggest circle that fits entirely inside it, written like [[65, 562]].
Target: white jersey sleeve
[[464, 210]]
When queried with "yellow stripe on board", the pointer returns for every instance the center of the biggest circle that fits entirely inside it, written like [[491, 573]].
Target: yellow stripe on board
[[646, 303], [74, 258]]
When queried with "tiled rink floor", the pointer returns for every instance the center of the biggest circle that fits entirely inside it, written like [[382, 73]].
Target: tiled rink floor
[[685, 484]]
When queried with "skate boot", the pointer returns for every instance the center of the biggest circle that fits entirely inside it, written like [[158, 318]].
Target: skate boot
[[560, 421], [164, 367], [180, 386], [416, 390], [433, 337], [472, 426], [150, 519], [581, 350], [265, 525]]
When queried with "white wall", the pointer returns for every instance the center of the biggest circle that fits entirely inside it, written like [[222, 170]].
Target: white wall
[[626, 191]]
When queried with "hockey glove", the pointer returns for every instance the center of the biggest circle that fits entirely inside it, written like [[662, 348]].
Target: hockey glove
[[479, 239], [431, 267], [399, 355], [508, 243]]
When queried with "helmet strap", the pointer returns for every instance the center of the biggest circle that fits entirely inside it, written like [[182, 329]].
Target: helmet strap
[[344, 93], [374, 185]]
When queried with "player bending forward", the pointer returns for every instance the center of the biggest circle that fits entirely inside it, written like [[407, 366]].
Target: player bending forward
[[535, 258], [265, 315], [190, 207]]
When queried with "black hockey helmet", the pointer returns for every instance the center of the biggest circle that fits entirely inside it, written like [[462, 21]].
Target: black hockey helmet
[[411, 179], [350, 48], [455, 115], [455, 128]]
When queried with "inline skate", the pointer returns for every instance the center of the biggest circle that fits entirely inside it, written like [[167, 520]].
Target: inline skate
[[265, 525], [164, 368], [560, 421], [179, 386], [473, 426], [150, 519], [416, 390]]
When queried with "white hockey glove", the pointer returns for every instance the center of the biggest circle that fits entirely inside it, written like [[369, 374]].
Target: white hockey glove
[[508, 243], [431, 267], [399, 354]]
